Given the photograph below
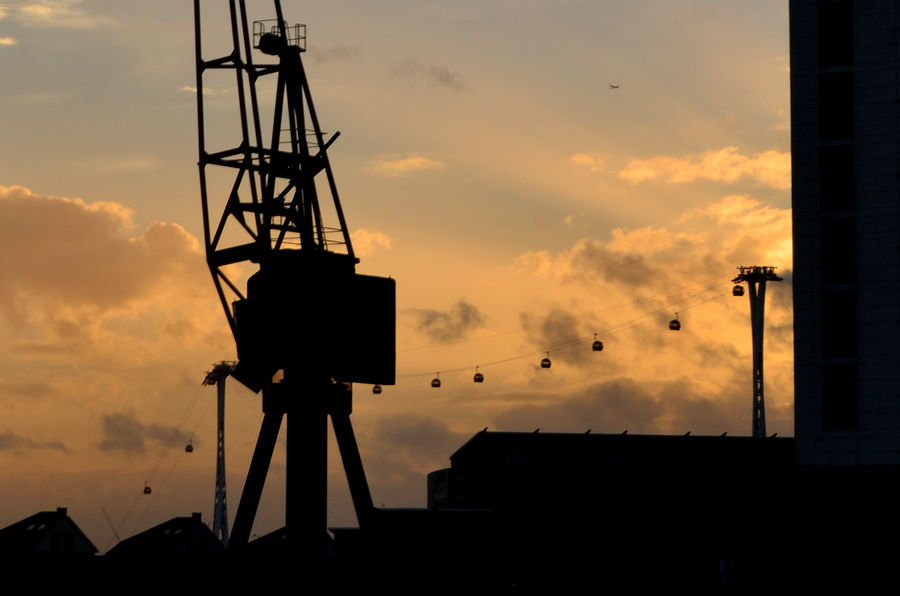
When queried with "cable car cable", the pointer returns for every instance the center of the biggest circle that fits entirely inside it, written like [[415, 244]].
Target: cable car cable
[[631, 324], [526, 328]]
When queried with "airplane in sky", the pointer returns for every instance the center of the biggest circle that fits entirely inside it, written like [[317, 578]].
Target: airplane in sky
[[611, 86]]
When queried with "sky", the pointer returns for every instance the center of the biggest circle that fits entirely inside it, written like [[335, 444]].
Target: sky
[[484, 163]]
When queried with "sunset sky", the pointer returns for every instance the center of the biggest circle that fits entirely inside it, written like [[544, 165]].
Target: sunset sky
[[484, 163]]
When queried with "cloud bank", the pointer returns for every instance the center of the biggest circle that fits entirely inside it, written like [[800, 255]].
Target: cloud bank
[[769, 168], [410, 68], [453, 324], [396, 167], [55, 14], [125, 433]]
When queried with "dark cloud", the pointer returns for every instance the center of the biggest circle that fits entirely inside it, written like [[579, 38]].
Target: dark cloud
[[124, 432], [685, 409], [779, 336], [417, 438], [591, 260], [448, 326], [411, 68], [719, 355], [559, 331], [781, 294], [624, 404], [611, 406], [39, 348], [26, 390], [12, 441], [400, 451], [340, 52]]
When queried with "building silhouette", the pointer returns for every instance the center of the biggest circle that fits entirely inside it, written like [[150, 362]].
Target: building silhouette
[[645, 512], [845, 137], [183, 537], [46, 534]]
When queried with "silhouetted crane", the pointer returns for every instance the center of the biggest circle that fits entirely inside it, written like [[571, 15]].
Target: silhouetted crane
[[307, 324]]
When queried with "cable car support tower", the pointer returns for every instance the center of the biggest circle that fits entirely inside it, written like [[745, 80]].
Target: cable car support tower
[[306, 325], [756, 277], [217, 376]]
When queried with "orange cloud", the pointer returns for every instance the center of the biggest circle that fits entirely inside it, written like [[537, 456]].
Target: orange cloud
[[367, 242], [81, 285], [735, 228], [8, 41], [59, 14], [626, 288], [770, 168], [591, 160], [192, 89], [396, 167], [96, 313], [69, 252]]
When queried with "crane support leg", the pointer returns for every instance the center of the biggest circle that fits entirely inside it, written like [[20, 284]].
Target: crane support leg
[[256, 478], [306, 505], [353, 466]]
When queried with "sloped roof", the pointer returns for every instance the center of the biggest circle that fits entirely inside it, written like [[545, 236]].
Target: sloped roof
[[45, 532], [180, 536]]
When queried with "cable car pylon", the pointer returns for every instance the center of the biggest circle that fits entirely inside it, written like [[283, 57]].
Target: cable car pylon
[[756, 277], [217, 377]]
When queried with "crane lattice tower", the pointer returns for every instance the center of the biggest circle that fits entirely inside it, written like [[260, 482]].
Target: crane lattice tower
[[306, 325]]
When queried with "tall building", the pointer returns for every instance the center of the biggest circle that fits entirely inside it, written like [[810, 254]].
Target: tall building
[[845, 114]]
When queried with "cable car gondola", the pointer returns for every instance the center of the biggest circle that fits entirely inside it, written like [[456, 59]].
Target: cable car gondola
[[478, 378], [737, 290], [189, 448], [674, 324], [597, 346], [147, 489], [436, 382], [545, 362], [376, 389]]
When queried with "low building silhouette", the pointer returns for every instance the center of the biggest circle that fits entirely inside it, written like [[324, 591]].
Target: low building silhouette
[[46, 534], [641, 510], [180, 537]]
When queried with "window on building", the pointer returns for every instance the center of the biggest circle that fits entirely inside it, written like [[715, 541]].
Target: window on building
[[835, 105], [839, 323], [835, 33], [836, 177], [838, 242], [839, 396]]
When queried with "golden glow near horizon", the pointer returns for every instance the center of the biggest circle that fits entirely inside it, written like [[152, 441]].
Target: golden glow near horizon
[[484, 162]]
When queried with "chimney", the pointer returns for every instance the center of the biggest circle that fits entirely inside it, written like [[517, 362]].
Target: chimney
[[62, 511]]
